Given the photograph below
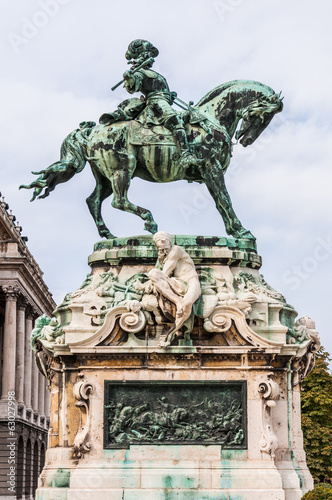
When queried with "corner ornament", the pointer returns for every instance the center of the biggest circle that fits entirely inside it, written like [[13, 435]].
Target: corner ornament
[[82, 391], [269, 391], [305, 330]]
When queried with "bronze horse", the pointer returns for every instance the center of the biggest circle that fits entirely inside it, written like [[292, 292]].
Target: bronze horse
[[124, 150]]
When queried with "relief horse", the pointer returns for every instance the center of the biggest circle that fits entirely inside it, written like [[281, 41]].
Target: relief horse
[[123, 150]]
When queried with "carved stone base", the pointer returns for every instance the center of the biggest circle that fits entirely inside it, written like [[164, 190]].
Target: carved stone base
[[163, 472], [215, 415]]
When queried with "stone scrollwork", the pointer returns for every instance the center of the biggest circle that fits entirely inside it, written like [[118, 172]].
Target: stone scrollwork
[[134, 320], [171, 302], [218, 322], [82, 391], [269, 391], [231, 322], [44, 363]]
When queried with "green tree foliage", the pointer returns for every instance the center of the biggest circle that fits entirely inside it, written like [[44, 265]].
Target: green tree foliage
[[317, 421], [321, 492]]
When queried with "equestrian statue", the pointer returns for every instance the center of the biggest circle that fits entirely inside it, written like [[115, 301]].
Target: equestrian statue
[[147, 138]]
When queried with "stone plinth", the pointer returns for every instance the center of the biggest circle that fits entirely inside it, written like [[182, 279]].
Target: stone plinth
[[213, 415]]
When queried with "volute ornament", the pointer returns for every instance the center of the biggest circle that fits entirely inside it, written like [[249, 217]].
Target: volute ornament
[[269, 392], [134, 320], [82, 391]]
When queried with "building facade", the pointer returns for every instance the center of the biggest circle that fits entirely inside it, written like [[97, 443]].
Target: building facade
[[24, 403]]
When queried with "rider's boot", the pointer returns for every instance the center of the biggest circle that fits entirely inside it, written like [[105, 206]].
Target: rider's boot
[[109, 118], [187, 158]]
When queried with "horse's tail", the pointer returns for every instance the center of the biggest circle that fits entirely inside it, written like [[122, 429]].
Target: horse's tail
[[72, 161]]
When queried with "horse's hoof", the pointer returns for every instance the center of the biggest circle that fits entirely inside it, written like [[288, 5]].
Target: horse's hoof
[[109, 236], [105, 233], [151, 227]]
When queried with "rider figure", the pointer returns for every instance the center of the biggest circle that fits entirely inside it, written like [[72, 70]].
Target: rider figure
[[158, 97]]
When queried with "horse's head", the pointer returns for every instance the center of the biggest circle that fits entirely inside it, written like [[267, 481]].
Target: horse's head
[[257, 116]]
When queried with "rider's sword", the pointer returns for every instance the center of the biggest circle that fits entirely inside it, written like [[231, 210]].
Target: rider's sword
[[187, 106], [144, 63]]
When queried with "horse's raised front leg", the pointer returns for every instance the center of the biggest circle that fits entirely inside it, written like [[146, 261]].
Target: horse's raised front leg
[[102, 190], [215, 182], [120, 183]]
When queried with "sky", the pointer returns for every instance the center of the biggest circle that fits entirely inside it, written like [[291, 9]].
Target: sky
[[60, 59]]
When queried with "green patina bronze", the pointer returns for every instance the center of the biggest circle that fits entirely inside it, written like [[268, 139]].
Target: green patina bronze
[[186, 241], [177, 413], [149, 139]]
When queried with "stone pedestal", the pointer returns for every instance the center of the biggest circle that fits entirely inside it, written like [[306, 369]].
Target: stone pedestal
[[214, 415]]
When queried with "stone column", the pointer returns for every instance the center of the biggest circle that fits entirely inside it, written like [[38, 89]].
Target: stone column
[[41, 393], [35, 380], [47, 403], [20, 348], [9, 353], [28, 359]]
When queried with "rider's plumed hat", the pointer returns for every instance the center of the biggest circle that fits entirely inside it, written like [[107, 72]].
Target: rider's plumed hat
[[139, 46]]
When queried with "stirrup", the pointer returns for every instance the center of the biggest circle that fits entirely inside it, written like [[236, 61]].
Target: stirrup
[[187, 158]]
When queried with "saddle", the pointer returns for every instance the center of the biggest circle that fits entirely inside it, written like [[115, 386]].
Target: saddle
[[140, 135]]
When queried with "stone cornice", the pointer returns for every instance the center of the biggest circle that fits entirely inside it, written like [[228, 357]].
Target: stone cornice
[[30, 295], [14, 232], [19, 266], [202, 249], [24, 270]]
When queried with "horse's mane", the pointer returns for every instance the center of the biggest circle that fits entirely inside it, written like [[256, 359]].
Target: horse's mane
[[221, 88]]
